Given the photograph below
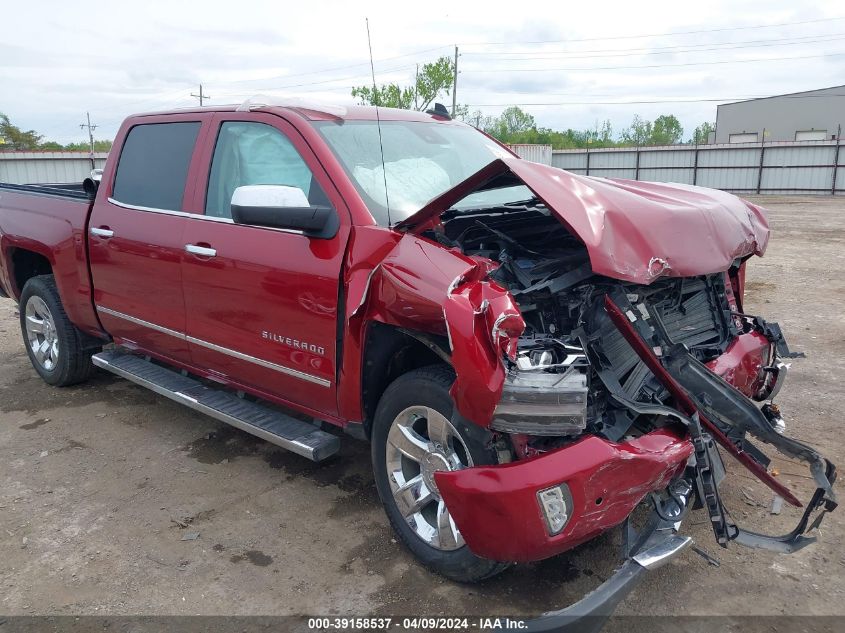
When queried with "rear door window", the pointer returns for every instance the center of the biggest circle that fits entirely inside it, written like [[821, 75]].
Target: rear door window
[[154, 165]]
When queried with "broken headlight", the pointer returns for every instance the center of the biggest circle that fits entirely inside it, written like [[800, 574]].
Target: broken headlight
[[541, 402]]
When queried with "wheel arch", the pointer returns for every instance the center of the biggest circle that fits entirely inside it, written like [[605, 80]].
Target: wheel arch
[[389, 352], [24, 264]]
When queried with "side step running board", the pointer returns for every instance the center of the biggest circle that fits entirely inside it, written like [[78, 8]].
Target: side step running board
[[274, 426]]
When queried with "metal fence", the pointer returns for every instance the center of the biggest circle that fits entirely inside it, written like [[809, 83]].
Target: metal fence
[[534, 152], [810, 167], [22, 168]]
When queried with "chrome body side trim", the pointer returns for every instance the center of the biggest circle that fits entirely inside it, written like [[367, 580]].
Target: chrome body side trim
[[182, 214], [259, 361], [218, 348], [142, 323], [198, 216]]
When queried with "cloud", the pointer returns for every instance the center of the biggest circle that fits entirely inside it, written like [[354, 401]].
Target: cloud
[[59, 62]]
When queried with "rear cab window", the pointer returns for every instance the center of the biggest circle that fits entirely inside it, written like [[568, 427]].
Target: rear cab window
[[153, 165]]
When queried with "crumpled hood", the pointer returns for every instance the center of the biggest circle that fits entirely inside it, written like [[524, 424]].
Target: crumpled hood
[[634, 231]]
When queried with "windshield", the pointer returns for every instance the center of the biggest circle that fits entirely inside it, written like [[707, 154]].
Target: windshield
[[421, 161]]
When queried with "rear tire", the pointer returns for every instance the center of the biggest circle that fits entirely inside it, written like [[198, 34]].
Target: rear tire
[[53, 343], [416, 408]]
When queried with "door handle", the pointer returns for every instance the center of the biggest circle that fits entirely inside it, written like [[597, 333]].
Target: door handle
[[203, 251], [102, 232]]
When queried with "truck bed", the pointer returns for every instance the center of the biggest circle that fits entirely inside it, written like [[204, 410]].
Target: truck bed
[[72, 191], [48, 223]]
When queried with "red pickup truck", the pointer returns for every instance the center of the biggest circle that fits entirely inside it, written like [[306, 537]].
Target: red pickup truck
[[532, 353]]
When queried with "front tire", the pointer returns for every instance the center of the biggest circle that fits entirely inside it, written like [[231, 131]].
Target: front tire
[[53, 343], [412, 437]]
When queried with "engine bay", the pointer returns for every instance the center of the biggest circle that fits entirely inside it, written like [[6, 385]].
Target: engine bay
[[547, 271]]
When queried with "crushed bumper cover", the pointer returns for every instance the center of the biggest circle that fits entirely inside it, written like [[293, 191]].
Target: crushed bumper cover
[[496, 507]]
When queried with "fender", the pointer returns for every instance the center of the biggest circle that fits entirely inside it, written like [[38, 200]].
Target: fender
[[410, 282], [59, 236]]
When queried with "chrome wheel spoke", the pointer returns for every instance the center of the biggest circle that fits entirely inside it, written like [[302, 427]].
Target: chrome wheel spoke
[[41, 351], [407, 442], [447, 534], [40, 331], [412, 496], [439, 429], [413, 461], [34, 325]]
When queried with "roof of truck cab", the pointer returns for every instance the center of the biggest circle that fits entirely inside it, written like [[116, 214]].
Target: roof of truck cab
[[313, 112]]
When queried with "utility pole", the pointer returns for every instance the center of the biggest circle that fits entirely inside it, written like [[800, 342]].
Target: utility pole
[[455, 85], [91, 129], [202, 97], [416, 83]]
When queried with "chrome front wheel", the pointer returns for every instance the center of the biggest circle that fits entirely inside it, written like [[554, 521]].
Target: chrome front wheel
[[41, 333], [415, 435], [421, 442]]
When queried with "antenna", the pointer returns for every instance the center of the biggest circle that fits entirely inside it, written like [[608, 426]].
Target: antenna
[[378, 120]]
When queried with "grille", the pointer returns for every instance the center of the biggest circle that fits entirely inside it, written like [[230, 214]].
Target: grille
[[693, 311]]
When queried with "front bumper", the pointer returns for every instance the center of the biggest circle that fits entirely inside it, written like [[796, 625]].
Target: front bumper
[[496, 508], [654, 546]]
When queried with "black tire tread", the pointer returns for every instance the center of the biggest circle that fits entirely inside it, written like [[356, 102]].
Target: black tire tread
[[75, 364], [460, 565]]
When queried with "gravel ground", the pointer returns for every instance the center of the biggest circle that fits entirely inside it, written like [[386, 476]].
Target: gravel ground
[[99, 484]]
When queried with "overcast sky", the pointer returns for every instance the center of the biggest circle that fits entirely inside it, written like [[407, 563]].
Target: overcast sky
[[590, 60]]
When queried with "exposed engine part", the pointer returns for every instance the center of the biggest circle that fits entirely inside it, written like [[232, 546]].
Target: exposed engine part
[[547, 271]]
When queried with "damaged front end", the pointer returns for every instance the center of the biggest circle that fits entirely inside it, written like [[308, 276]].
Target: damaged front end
[[607, 376], [712, 408]]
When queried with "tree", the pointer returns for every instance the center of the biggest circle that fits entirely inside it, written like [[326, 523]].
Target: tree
[[51, 146], [432, 80], [666, 130], [513, 125], [99, 146], [702, 133], [16, 138], [638, 133]]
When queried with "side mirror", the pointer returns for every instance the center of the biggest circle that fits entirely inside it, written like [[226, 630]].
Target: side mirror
[[283, 207], [92, 183]]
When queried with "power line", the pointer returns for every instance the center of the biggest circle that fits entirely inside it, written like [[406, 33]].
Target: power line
[[649, 101], [669, 34], [658, 48], [594, 68], [328, 81], [669, 50], [159, 98], [334, 68]]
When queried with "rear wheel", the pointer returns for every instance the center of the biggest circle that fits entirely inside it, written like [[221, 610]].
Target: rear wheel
[[52, 342], [412, 439]]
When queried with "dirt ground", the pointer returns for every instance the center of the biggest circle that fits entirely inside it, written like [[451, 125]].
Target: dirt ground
[[100, 483]]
